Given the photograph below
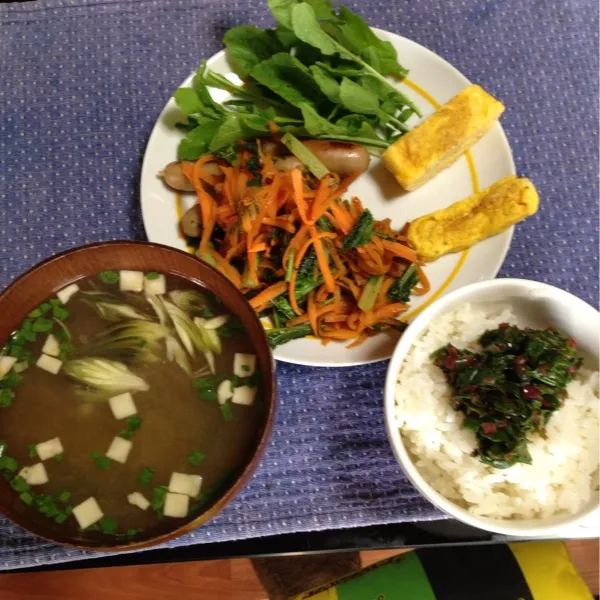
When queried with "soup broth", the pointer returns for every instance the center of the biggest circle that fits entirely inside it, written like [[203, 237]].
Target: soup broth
[[171, 357]]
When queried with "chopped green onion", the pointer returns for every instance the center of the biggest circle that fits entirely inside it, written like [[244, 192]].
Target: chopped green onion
[[64, 496], [152, 275], [60, 313], [196, 457], [109, 277], [58, 457], [145, 477], [226, 411], [41, 325], [8, 463], [134, 422], [31, 450], [27, 498], [108, 526], [19, 484], [6, 398], [102, 462]]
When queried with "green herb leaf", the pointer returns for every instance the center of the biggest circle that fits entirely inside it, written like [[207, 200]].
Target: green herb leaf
[[196, 457], [357, 99], [247, 46], [307, 28]]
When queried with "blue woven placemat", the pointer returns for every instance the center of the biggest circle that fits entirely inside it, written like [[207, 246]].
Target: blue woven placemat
[[81, 84]]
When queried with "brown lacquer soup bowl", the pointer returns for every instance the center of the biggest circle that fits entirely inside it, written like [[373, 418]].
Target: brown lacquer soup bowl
[[134, 456]]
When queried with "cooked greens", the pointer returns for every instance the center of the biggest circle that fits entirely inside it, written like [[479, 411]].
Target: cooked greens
[[510, 389]]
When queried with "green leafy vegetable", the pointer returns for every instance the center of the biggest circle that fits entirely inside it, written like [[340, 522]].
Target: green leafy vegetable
[[510, 389], [158, 499], [282, 335], [403, 286], [362, 231]]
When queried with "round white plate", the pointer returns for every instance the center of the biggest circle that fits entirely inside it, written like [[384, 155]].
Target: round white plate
[[437, 81]]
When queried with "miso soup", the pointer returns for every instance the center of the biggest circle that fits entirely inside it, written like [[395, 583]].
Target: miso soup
[[128, 404]]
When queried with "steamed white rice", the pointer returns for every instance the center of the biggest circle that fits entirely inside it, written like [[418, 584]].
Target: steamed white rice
[[564, 471]]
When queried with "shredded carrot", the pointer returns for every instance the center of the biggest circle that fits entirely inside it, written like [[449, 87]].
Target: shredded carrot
[[258, 224], [400, 250], [268, 294]]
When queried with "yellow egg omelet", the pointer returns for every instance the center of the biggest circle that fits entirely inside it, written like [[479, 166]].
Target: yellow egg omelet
[[476, 218], [439, 140]]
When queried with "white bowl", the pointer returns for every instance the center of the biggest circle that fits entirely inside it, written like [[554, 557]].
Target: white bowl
[[538, 305]]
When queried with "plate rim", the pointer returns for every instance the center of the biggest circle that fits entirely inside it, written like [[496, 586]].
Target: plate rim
[[500, 257]]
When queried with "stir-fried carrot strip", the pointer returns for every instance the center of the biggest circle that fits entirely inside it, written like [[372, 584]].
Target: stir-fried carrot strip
[[319, 207], [400, 250], [388, 282], [199, 175], [208, 209], [268, 294], [425, 285], [229, 271], [343, 217], [236, 250], [335, 318], [280, 222], [297, 186], [359, 340], [338, 334], [390, 310], [296, 242], [322, 258]]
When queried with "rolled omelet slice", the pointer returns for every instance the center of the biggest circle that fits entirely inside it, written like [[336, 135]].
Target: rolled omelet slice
[[437, 142], [476, 218]]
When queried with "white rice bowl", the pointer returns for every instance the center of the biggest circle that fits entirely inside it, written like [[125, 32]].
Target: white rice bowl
[[563, 476]]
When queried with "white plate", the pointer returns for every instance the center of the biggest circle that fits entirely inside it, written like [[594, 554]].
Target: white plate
[[491, 157]]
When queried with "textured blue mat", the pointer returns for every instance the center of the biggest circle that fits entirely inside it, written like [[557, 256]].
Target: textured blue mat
[[81, 84]]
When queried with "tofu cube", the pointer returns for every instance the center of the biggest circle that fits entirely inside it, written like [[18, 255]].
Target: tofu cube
[[224, 391], [51, 346], [156, 286], [176, 505], [244, 365], [35, 474], [131, 281], [181, 483], [67, 293], [138, 500], [46, 450], [6, 364], [88, 512], [244, 395], [49, 363], [119, 450], [122, 406]]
